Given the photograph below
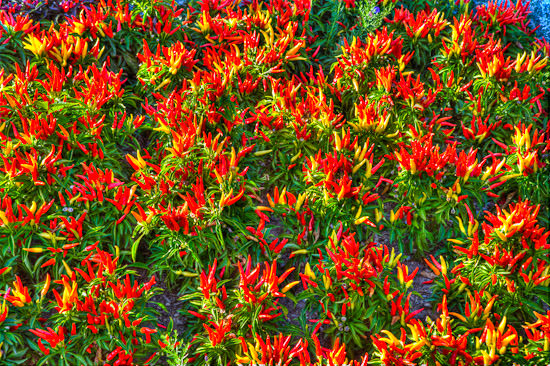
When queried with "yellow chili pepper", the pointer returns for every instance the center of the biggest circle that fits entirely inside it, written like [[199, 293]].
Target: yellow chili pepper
[[289, 286]]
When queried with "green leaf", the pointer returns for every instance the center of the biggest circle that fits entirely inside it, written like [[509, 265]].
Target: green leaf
[[422, 214], [356, 338], [361, 326], [371, 310], [135, 246], [533, 305]]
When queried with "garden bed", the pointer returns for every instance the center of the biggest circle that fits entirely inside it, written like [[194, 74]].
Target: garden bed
[[286, 183]]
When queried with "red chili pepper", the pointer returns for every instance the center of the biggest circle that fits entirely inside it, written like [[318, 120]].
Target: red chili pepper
[[470, 215]]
